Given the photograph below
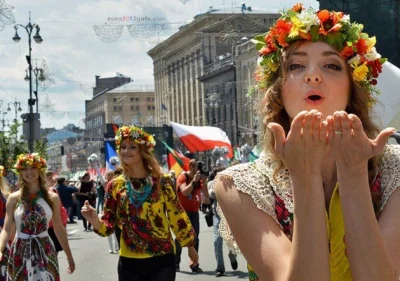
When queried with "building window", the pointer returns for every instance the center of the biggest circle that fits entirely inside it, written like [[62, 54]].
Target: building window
[[152, 99], [149, 107], [132, 99], [136, 99], [132, 107], [148, 99], [115, 100], [115, 108], [137, 107], [153, 107]]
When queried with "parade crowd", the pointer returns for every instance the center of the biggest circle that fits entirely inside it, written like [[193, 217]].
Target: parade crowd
[[321, 202]]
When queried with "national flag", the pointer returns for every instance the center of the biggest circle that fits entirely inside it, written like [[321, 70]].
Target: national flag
[[110, 152], [203, 138], [176, 161], [163, 107], [115, 128]]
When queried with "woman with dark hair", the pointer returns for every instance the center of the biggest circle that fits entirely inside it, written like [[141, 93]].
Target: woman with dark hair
[[323, 202], [142, 202], [32, 255]]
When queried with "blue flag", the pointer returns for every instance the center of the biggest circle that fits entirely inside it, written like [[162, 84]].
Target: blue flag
[[163, 107], [110, 152]]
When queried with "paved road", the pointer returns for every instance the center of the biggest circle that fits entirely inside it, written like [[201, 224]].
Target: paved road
[[93, 262]]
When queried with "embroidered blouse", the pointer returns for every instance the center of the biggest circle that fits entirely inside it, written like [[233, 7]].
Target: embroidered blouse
[[276, 199], [146, 230]]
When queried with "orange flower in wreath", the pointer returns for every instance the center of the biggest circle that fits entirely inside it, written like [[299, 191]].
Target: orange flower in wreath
[[329, 21], [298, 8]]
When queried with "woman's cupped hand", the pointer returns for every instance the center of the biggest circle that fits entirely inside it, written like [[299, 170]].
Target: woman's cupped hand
[[304, 148]]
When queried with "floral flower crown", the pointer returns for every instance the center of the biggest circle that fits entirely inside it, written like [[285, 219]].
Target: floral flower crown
[[334, 28], [33, 159], [137, 135]]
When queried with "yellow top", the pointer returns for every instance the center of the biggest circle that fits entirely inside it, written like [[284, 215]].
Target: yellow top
[[339, 263]]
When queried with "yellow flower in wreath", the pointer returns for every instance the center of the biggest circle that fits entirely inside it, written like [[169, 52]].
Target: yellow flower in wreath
[[360, 72]]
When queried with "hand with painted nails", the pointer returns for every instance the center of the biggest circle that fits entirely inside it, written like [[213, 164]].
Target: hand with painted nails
[[349, 144], [303, 150]]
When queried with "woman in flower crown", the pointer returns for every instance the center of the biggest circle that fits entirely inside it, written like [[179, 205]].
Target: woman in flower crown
[[32, 255], [143, 204], [323, 202]]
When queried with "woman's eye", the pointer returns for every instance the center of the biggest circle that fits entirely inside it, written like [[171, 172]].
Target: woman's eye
[[333, 66], [295, 66]]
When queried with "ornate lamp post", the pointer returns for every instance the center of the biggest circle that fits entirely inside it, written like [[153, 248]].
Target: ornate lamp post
[[29, 28], [17, 107]]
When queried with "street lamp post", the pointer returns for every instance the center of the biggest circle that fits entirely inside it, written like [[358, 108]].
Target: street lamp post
[[17, 107], [3, 121], [29, 28]]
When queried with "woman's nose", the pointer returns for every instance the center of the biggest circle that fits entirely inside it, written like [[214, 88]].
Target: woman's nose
[[313, 76]]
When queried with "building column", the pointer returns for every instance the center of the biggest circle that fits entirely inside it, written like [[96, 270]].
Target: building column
[[176, 90], [197, 88], [201, 94]]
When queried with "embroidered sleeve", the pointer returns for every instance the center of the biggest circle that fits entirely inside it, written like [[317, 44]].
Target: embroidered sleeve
[[109, 218], [177, 217], [249, 179], [390, 169]]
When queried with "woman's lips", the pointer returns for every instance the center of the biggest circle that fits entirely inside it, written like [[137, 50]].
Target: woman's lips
[[314, 102], [314, 97]]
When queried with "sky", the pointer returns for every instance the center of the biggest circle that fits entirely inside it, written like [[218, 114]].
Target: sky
[[74, 53]]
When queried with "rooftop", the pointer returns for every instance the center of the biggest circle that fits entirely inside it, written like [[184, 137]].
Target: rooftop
[[132, 87]]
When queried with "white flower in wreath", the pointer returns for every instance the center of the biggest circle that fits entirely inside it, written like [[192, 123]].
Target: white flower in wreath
[[135, 135], [142, 142]]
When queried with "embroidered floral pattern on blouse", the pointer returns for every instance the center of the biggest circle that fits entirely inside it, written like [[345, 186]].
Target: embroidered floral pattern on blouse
[[146, 230]]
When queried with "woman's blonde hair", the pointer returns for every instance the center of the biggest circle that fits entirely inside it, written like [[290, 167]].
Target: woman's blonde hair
[[23, 196], [149, 162], [272, 110]]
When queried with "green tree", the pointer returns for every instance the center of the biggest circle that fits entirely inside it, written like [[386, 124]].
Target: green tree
[[40, 147], [10, 147]]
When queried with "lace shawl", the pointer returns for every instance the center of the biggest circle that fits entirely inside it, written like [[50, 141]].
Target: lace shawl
[[256, 180]]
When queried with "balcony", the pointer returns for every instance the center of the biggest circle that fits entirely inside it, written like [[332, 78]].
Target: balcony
[[218, 63]]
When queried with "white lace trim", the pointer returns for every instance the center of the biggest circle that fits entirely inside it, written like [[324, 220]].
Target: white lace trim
[[390, 168], [256, 180]]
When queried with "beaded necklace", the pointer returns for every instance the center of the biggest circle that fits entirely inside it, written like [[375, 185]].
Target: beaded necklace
[[138, 196]]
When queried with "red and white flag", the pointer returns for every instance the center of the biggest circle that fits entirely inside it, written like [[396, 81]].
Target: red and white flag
[[203, 138]]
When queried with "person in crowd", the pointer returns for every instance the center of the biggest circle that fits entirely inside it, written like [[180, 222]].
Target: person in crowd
[[189, 187], [51, 181], [86, 189], [322, 203], [218, 241], [172, 175], [4, 192], [32, 255], [74, 211], [100, 197], [141, 202], [64, 218], [66, 192]]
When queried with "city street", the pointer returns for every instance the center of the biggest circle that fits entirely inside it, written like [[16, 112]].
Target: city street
[[93, 262]]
